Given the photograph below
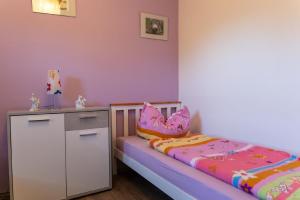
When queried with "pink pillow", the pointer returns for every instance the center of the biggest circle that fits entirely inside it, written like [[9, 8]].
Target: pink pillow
[[152, 123]]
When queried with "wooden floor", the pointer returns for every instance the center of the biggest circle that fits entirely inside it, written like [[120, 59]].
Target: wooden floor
[[128, 185]]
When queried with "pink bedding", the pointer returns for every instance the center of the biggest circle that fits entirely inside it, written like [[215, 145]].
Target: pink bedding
[[193, 182], [263, 172]]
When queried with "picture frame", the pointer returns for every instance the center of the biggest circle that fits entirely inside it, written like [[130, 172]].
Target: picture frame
[[154, 26], [55, 7]]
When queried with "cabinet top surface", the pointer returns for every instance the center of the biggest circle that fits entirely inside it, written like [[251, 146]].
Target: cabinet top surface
[[56, 111]]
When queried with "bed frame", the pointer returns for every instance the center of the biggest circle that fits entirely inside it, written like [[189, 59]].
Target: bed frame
[[169, 107]]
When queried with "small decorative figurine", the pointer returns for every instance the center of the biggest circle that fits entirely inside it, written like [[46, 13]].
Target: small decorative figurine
[[35, 103], [80, 102]]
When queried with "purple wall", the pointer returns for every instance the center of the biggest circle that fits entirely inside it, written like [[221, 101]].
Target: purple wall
[[99, 53]]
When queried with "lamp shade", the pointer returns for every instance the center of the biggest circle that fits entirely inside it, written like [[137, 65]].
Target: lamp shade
[[54, 83]]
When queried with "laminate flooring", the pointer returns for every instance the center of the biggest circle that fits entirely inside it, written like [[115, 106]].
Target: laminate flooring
[[128, 185]]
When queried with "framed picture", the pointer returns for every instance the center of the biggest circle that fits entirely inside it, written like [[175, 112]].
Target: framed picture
[[154, 27], [55, 7]]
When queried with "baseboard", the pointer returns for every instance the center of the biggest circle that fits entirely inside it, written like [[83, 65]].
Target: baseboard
[[4, 196]]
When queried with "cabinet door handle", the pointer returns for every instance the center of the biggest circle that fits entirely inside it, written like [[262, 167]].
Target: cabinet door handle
[[87, 116], [83, 134], [39, 119]]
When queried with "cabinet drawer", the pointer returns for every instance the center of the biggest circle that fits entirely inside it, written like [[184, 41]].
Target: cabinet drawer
[[88, 161], [86, 120]]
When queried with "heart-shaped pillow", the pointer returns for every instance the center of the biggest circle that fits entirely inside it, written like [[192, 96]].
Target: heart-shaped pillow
[[152, 124]]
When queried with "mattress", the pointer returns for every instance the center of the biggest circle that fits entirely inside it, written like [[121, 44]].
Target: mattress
[[190, 180]]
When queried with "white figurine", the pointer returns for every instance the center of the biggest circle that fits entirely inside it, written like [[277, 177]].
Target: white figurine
[[35, 103], [80, 102]]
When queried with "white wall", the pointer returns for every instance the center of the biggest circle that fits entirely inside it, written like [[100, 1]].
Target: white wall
[[240, 69]]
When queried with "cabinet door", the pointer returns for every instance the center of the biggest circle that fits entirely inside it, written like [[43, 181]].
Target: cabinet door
[[38, 157], [88, 161]]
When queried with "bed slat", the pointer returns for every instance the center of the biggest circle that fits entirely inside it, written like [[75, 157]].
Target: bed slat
[[169, 111], [137, 115], [126, 131]]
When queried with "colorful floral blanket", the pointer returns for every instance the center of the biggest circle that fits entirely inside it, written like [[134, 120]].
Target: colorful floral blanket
[[263, 172]]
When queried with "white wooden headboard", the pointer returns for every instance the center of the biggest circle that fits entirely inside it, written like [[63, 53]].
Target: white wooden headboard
[[136, 108], [124, 108]]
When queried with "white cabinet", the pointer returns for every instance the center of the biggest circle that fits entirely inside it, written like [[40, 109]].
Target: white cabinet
[[38, 158], [59, 154], [88, 159]]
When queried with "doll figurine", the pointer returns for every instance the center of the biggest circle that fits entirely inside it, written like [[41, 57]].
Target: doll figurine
[[35, 103], [80, 102], [54, 83]]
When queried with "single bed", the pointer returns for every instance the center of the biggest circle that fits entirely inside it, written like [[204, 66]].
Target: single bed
[[176, 179]]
